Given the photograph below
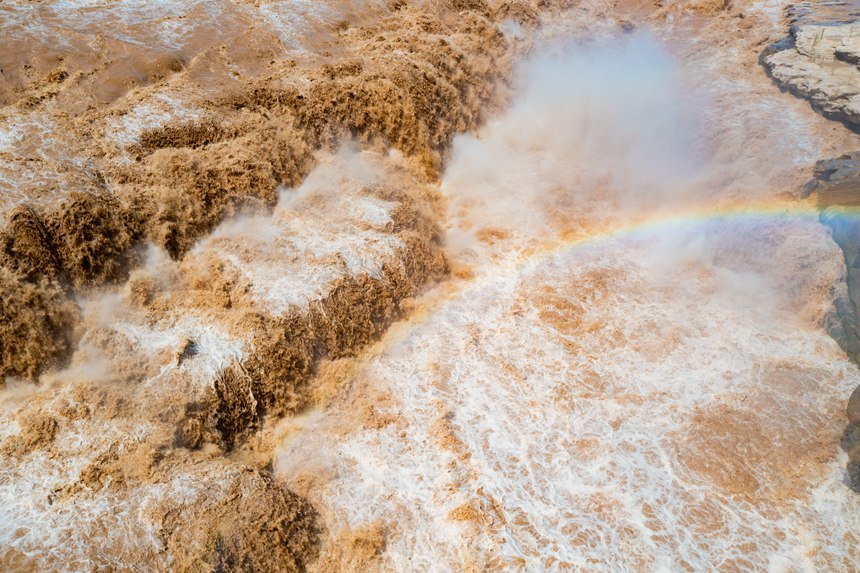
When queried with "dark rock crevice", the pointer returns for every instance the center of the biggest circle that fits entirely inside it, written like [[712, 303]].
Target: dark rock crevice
[[837, 186], [820, 61]]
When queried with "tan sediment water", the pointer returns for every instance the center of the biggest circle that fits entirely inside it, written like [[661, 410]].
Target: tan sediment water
[[223, 222], [597, 393], [204, 202]]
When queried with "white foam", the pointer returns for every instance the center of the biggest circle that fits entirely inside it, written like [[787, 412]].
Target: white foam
[[328, 228], [297, 20], [589, 390], [157, 111], [131, 21]]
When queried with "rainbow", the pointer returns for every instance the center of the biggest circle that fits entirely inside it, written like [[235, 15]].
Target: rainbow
[[653, 224], [641, 226]]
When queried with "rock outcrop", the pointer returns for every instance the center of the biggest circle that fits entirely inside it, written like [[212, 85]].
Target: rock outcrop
[[820, 62], [837, 186]]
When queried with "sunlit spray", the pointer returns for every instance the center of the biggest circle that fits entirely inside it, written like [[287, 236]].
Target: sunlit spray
[[627, 380]]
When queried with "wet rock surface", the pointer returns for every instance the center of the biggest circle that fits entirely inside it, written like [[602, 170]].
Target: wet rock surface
[[851, 440], [837, 187], [820, 61], [823, 12], [819, 58]]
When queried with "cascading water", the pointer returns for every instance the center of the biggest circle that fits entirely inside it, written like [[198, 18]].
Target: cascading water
[[415, 286], [630, 373]]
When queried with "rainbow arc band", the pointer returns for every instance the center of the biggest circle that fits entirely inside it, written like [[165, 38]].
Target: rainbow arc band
[[697, 216], [644, 226]]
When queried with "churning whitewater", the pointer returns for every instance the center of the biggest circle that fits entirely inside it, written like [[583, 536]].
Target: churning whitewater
[[594, 394], [416, 286]]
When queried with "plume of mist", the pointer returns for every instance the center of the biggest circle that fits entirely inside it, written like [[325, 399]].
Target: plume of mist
[[607, 125], [614, 131]]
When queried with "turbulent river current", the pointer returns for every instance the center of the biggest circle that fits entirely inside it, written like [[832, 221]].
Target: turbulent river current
[[415, 286]]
